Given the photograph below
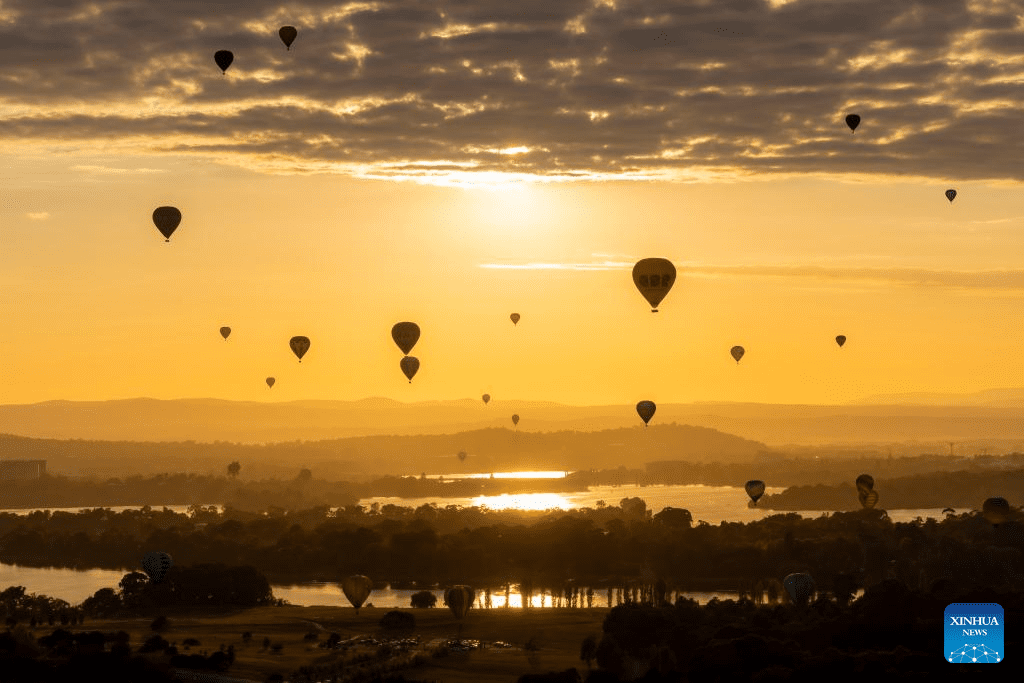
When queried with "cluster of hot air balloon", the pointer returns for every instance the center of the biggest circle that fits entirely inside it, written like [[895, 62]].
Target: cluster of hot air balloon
[[406, 335]]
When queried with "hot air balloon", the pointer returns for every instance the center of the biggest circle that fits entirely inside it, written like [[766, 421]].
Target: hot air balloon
[[405, 335], [852, 120], [654, 278], [755, 489], [868, 499], [288, 34], [462, 456], [996, 510], [645, 409], [486, 398], [299, 346], [459, 599], [356, 589], [515, 419], [223, 59], [270, 382], [166, 219], [514, 318], [800, 587], [156, 565], [950, 195], [737, 353], [865, 483], [947, 511], [841, 339], [224, 332], [409, 366]]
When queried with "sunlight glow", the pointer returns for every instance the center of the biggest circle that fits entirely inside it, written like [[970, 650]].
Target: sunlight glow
[[523, 501]]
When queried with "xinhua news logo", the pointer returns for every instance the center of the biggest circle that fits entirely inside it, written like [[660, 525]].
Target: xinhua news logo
[[973, 633]]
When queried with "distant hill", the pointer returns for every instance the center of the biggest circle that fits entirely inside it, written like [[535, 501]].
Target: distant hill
[[488, 450], [993, 416], [1007, 397]]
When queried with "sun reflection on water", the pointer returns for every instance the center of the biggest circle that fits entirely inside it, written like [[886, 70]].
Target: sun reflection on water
[[524, 501]]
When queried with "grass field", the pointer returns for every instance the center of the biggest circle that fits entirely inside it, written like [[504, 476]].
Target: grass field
[[556, 632]]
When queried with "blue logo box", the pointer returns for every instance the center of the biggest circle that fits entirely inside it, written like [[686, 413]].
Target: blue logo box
[[973, 633]]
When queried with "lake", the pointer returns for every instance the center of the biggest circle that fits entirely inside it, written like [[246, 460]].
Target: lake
[[712, 504]]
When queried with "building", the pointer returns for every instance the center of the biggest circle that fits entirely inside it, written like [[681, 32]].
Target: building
[[21, 469]]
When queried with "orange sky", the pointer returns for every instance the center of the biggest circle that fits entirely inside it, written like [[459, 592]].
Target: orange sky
[[783, 236]]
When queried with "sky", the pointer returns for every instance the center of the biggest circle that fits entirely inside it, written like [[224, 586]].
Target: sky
[[449, 163]]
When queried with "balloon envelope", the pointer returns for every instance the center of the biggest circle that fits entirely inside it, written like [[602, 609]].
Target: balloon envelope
[[223, 59], [515, 419], [865, 482], [737, 353], [225, 331], [156, 565], [800, 587], [356, 589], [514, 318], [951, 195], [654, 278], [166, 219], [459, 599], [299, 346], [841, 339], [645, 409], [486, 397], [405, 335], [868, 499], [852, 120], [462, 456], [409, 366], [996, 510], [755, 489], [288, 34], [270, 382]]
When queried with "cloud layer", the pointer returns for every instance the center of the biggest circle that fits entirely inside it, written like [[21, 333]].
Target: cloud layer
[[555, 90]]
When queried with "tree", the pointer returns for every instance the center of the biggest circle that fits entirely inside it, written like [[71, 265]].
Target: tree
[[588, 649], [233, 469], [423, 599]]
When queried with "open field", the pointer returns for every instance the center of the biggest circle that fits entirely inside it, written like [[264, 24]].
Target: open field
[[558, 632]]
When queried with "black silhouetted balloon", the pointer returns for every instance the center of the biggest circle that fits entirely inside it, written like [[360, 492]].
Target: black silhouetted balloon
[[223, 59], [405, 335], [852, 120], [654, 278], [409, 366], [515, 419], [356, 588], [156, 565], [865, 482], [166, 219], [645, 409], [800, 587], [950, 195], [486, 398], [299, 346], [459, 599], [224, 332], [270, 382], [996, 510], [462, 456], [841, 339], [514, 318], [755, 489], [288, 34], [737, 353]]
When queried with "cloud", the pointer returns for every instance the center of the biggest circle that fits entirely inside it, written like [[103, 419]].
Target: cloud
[[562, 90], [1004, 280], [38, 215]]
